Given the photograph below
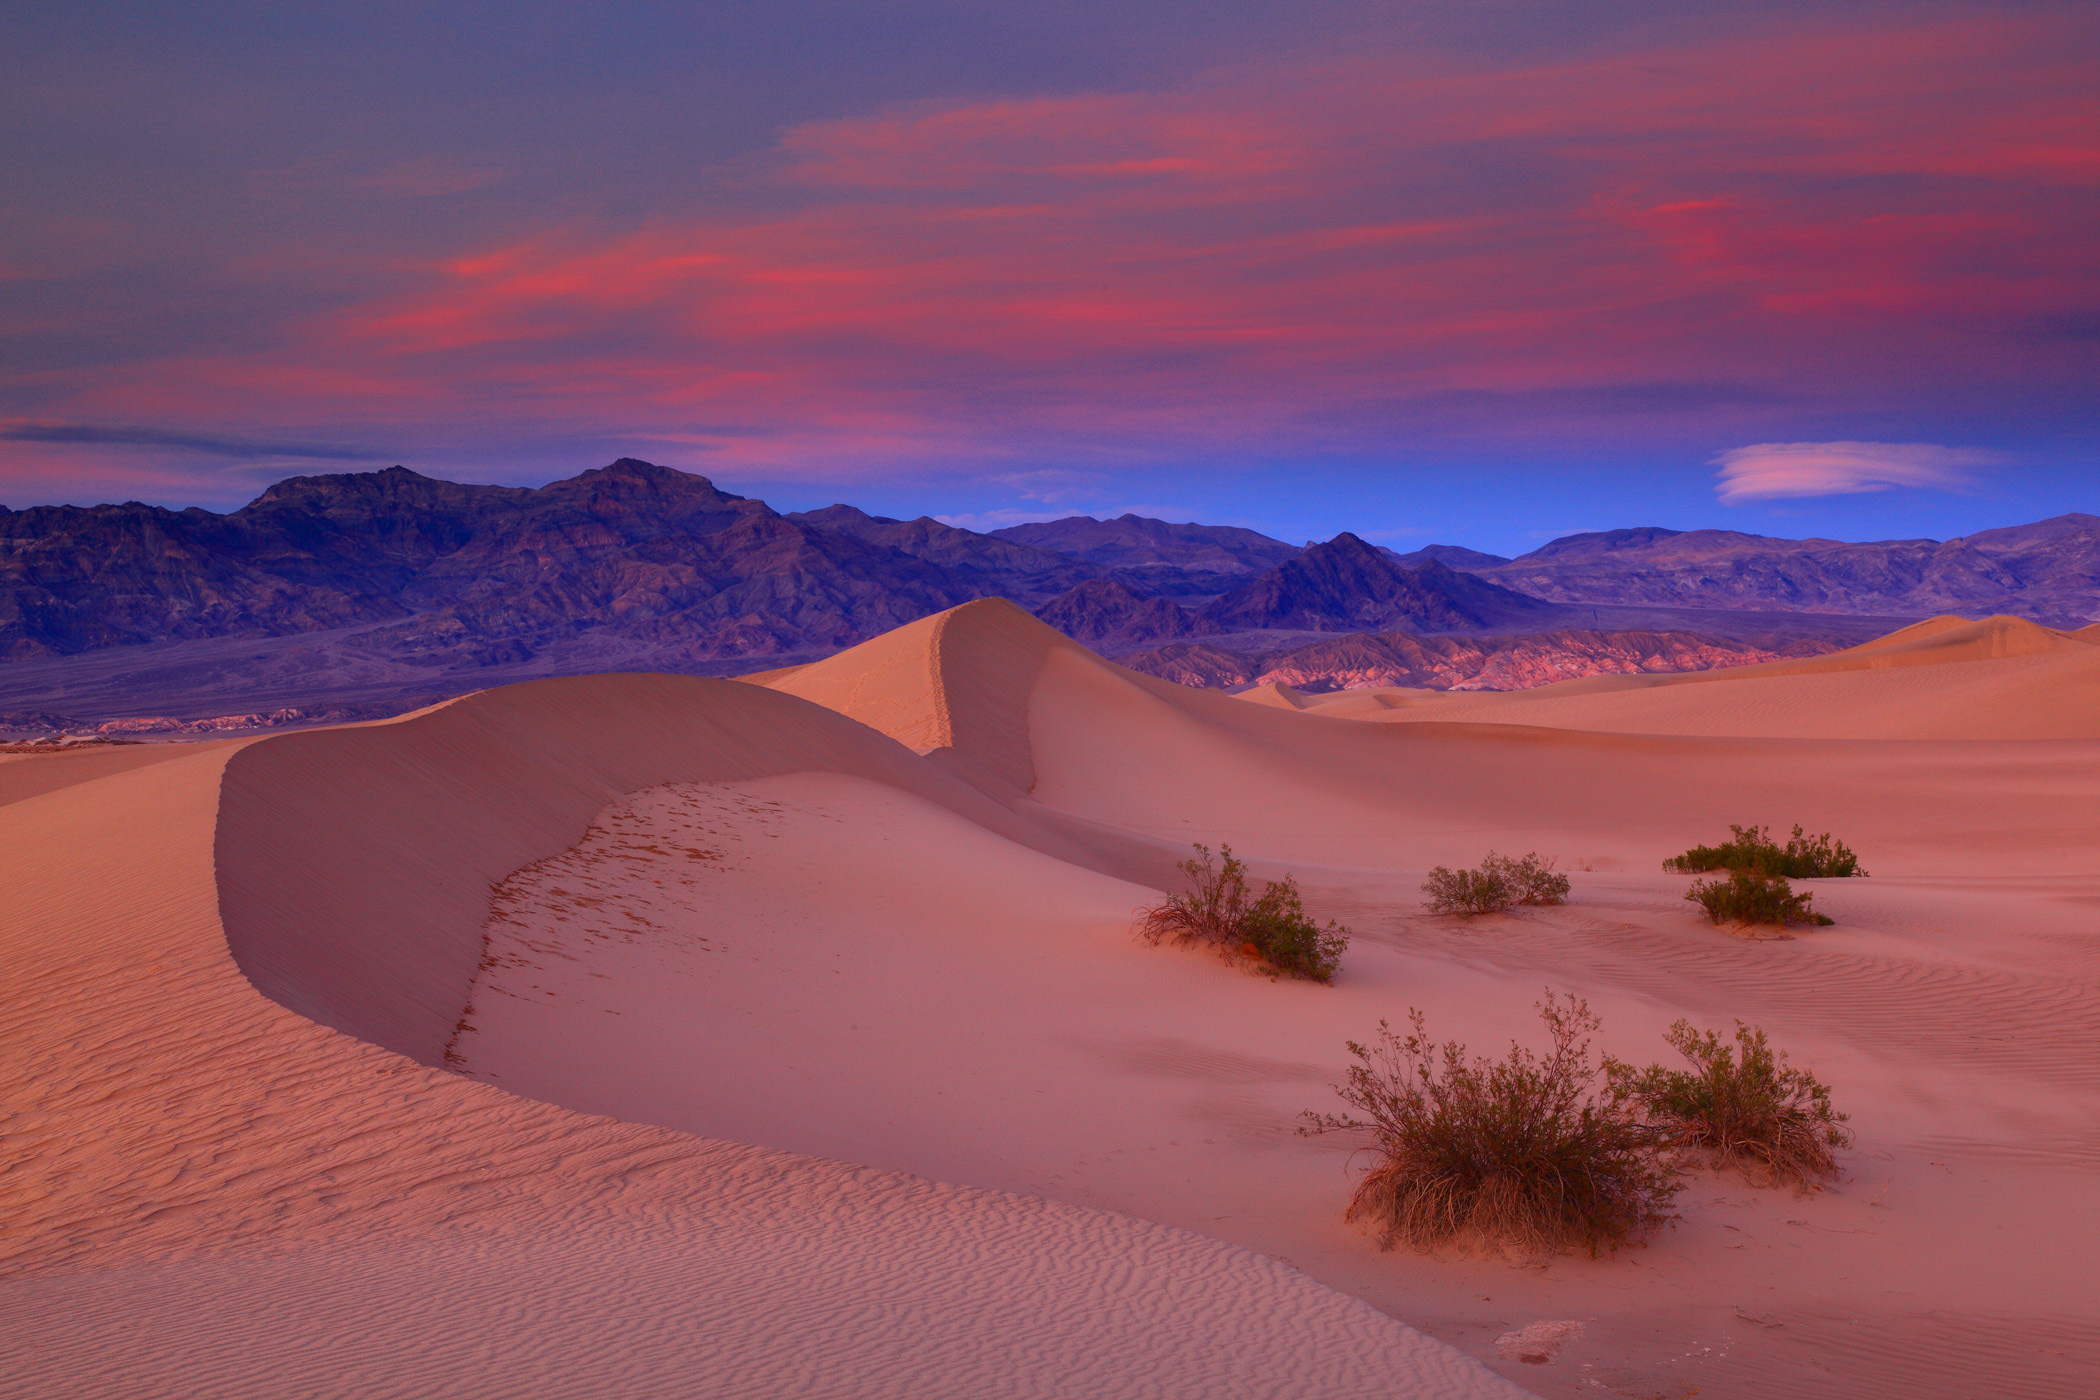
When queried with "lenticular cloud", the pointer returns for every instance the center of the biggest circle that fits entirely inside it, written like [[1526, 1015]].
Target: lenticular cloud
[[1773, 469]]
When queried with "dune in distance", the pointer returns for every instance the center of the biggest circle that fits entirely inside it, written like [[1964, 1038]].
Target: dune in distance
[[655, 1035]]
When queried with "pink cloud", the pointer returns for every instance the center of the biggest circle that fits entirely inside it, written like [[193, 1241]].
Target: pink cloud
[[1776, 470], [1304, 253]]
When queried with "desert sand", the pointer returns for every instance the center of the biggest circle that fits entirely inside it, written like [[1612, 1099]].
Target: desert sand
[[651, 1035], [1946, 678]]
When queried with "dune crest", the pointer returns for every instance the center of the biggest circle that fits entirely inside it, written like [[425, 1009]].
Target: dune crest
[[227, 1187], [894, 931], [953, 687]]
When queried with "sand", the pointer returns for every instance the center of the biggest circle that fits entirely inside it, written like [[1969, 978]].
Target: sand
[[208, 1193], [1947, 678], [649, 1035]]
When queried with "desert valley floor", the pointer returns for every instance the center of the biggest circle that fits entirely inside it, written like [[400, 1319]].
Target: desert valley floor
[[651, 1035]]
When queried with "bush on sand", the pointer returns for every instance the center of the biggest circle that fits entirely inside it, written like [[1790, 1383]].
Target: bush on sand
[[1498, 883], [1271, 929], [1743, 1105], [1750, 897], [1532, 1151], [1752, 848]]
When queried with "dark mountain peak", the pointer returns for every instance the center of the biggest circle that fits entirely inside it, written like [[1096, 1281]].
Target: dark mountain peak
[[650, 497], [993, 565], [840, 517], [1457, 556], [633, 472], [1601, 542], [1348, 585], [1197, 560], [1347, 544], [1108, 612], [324, 489]]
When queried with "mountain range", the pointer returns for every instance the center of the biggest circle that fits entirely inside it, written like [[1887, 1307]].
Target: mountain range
[[391, 584]]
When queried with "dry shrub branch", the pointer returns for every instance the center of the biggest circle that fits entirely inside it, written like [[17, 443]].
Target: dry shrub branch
[[1752, 848], [1744, 1105], [1498, 883], [1533, 1150], [1220, 909], [1753, 897]]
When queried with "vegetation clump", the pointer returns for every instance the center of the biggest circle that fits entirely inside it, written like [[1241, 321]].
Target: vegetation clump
[[1498, 883], [1220, 909], [1752, 897], [1741, 1104], [1533, 1151], [1753, 849]]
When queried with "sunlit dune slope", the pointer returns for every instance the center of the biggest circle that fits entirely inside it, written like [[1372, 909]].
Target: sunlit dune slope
[[354, 864], [880, 912], [1943, 679], [1173, 764], [208, 1193]]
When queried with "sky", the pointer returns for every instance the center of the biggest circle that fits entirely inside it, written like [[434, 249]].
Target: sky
[[1482, 274]]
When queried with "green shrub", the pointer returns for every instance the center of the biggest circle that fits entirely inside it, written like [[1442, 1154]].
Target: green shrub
[[1480, 891], [1752, 897], [1220, 909], [1743, 1105], [1752, 848], [1533, 1151], [1497, 884]]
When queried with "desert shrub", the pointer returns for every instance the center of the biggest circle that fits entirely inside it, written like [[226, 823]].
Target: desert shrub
[[1753, 897], [1744, 1105], [1752, 848], [1498, 883], [1220, 909], [1480, 891], [1533, 1151]]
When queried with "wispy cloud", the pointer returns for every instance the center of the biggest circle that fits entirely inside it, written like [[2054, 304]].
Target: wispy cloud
[[1772, 470], [242, 449]]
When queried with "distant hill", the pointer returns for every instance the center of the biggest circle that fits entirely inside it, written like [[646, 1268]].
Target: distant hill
[[369, 588], [1398, 659], [1107, 612], [1158, 558], [1018, 571], [1455, 555], [1346, 585], [2048, 571], [470, 574]]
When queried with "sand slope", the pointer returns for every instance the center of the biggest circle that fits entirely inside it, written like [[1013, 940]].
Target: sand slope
[[1943, 679], [206, 1193], [875, 911]]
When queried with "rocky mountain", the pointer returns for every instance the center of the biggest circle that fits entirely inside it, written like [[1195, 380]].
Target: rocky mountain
[[1346, 585], [1398, 659], [1156, 558], [372, 587], [2048, 571], [462, 574], [1108, 613], [1456, 556], [1019, 571]]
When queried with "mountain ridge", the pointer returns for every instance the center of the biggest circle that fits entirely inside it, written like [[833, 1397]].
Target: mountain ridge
[[356, 587]]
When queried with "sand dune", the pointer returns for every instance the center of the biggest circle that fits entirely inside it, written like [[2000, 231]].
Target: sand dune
[[207, 1193], [876, 927], [1942, 679]]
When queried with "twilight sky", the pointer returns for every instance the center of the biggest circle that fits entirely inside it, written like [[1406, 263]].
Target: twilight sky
[[1483, 278]]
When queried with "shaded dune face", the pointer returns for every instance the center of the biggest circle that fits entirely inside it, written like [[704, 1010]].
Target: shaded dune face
[[874, 909], [203, 1193], [354, 865]]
